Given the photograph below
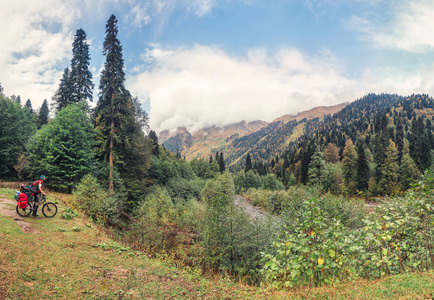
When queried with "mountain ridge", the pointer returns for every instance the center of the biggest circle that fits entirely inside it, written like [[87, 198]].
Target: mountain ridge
[[207, 141]]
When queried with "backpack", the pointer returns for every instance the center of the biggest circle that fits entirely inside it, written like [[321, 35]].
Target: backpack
[[34, 187], [22, 200]]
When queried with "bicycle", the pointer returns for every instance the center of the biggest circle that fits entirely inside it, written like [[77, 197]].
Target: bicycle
[[49, 209]]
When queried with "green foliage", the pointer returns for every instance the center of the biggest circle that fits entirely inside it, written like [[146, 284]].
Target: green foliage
[[94, 201], [397, 238], [43, 114], [63, 149], [232, 242], [16, 127], [81, 77], [312, 253], [68, 214]]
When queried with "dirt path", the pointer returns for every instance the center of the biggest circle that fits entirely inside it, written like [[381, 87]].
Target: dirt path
[[7, 208]]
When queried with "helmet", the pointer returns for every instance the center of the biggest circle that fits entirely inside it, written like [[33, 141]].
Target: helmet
[[42, 177]]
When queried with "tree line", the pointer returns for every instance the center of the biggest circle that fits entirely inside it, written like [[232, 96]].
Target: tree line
[[108, 141]]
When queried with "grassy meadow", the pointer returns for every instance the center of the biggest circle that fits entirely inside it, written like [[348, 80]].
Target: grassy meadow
[[73, 259]]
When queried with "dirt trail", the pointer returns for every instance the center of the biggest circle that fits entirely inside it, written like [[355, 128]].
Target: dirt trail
[[7, 208]]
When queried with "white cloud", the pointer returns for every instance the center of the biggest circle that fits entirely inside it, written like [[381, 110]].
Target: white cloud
[[409, 28], [35, 37], [202, 86]]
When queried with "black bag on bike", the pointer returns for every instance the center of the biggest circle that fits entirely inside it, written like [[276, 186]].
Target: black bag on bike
[[26, 190]]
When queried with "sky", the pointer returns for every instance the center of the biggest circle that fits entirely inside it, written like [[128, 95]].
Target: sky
[[198, 63]]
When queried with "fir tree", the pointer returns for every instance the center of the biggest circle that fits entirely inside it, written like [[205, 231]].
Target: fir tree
[[120, 121], [248, 163], [362, 169], [316, 168], [81, 77], [399, 140], [64, 95], [154, 140], [222, 166], [113, 98], [29, 105], [43, 114]]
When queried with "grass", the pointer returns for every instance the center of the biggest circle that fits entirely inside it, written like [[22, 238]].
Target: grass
[[73, 259]]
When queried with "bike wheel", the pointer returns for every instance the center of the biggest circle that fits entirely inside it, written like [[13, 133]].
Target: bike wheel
[[25, 212], [49, 209]]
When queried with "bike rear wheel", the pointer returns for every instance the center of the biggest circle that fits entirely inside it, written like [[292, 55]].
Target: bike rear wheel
[[49, 209], [25, 212]]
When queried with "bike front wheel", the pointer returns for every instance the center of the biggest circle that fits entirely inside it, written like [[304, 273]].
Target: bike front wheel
[[25, 212], [49, 209]]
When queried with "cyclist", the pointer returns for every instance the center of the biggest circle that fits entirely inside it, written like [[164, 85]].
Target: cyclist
[[36, 190]]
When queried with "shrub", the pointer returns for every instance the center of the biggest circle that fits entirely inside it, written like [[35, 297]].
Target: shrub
[[100, 205]]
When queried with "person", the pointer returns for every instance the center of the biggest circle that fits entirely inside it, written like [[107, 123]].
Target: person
[[36, 190]]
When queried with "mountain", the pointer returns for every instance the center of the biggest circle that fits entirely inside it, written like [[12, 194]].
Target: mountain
[[229, 139]]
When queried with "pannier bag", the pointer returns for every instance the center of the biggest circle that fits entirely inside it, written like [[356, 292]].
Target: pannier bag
[[22, 200]]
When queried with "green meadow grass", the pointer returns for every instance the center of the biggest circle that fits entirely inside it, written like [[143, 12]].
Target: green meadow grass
[[73, 259]]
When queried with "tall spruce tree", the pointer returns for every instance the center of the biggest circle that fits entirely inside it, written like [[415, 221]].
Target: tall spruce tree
[[29, 105], [80, 73], [222, 166], [362, 169], [64, 95], [154, 140], [113, 97], [43, 114], [120, 121], [248, 163], [399, 137]]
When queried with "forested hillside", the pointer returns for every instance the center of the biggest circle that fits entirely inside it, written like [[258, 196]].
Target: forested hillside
[[378, 144]]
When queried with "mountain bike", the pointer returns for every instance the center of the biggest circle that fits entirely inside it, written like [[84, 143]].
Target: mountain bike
[[49, 209]]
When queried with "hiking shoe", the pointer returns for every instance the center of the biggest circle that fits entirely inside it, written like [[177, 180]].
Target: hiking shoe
[[36, 218]]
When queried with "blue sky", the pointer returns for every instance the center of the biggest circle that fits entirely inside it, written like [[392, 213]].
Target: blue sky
[[198, 63]]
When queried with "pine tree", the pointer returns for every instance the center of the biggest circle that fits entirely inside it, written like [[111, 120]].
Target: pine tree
[[64, 95], [154, 140], [81, 77], [362, 169], [1, 90], [316, 168], [29, 105], [399, 140], [248, 163], [43, 114], [222, 166], [113, 98], [18, 100], [120, 121]]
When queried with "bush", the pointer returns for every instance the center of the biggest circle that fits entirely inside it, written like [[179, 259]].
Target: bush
[[100, 205], [397, 238]]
